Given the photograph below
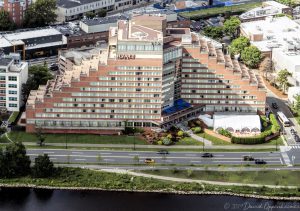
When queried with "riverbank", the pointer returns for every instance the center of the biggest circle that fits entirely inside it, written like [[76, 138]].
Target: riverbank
[[83, 179]]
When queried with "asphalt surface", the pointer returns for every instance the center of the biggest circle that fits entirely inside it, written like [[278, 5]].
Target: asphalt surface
[[127, 157]]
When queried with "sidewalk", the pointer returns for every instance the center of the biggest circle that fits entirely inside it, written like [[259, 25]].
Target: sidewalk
[[155, 146], [206, 142]]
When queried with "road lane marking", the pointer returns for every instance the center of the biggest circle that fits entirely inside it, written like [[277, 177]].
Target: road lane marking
[[79, 159], [77, 152], [195, 161], [48, 152], [169, 161], [105, 153], [52, 158], [109, 159], [191, 155], [133, 154]]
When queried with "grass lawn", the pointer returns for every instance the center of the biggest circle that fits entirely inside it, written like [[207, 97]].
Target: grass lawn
[[282, 177], [273, 142], [220, 10], [13, 116], [74, 177], [214, 140], [76, 138], [188, 141]]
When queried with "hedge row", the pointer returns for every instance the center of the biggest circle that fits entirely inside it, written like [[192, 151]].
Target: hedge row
[[261, 138]]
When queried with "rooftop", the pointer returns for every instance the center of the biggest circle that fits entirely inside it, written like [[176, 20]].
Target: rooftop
[[73, 3], [32, 33], [5, 61], [276, 33], [105, 20]]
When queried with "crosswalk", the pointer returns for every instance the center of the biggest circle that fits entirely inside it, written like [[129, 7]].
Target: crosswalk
[[295, 146]]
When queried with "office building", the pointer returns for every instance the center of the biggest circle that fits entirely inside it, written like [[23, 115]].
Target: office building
[[279, 39], [13, 73]]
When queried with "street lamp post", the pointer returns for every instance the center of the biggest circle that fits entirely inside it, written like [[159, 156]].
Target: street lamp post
[[203, 141], [133, 139], [66, 141]]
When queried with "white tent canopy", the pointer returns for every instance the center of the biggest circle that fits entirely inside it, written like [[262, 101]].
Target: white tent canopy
[[237, 123]]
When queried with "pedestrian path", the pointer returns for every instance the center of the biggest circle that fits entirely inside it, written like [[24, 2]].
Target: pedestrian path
[[175, 179], [190, 132]]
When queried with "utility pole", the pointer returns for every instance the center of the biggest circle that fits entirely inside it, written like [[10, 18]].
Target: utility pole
[[66, 141], [203, 141]]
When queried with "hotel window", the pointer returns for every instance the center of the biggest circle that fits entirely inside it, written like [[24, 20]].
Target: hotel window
[[11, 92], [12, 105], [2, 78], [12, 78], [12, 98], [2, 85]]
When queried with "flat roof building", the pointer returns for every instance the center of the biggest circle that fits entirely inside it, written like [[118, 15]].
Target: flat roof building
[[278, 38], [13, 74], [31, 43], [147, 76]]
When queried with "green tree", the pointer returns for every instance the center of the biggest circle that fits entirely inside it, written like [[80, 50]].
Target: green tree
[[231, 26], [40, 13], [14, 161], [38, 75], [5, 23], [43, 167], [251, 56], [102, 13], [90, 15], [238, 44], [297, 102], [282, 79], [40, 136], [214, 32]]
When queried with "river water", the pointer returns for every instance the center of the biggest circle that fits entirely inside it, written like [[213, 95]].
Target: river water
[[66, 200]]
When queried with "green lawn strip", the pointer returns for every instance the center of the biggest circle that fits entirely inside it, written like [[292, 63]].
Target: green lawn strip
[[76, 138], [83, 178], [213, 139], [282, 177], [13, 116], [200, 149], [188, 141], [220, 10]]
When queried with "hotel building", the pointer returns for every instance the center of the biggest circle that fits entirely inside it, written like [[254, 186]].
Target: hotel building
[[148, 75]]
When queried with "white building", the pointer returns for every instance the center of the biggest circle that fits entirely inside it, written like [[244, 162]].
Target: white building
[[13, 73], [268, 8], [278, 38]]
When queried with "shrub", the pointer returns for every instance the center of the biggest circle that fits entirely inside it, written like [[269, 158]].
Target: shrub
[[43, 167], [169, 136], [225, 133], [159, 142], [275, 125], [166, 141], [196, 130], [180, 134], [265, 124]]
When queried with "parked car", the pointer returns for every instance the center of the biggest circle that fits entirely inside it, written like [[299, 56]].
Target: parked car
[[163, 152], [248, 158], [207, 155], [149, 160], [274, 105], [260, 161]]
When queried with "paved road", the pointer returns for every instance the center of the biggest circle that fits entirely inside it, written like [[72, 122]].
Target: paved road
[[282, 104], [127, 157]]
